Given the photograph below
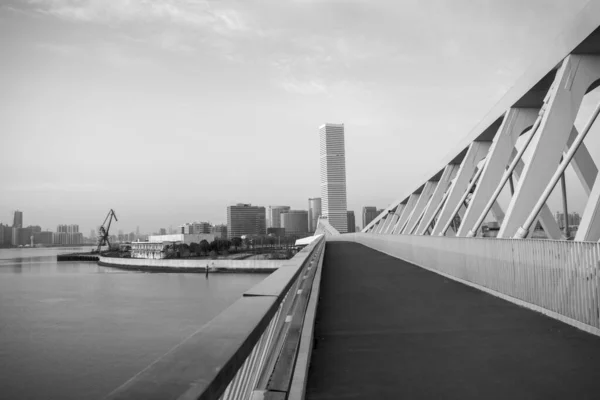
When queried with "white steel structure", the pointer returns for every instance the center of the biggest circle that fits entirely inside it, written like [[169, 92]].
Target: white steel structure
[[333, 176], [524, 144]]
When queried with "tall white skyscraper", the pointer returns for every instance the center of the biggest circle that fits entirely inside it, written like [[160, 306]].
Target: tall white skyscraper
[[333, 176]]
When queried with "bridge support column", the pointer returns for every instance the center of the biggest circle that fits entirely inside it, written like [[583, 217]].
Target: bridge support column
[[574, 77]]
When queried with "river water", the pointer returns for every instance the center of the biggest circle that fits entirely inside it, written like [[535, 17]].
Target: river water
[[76, 330]]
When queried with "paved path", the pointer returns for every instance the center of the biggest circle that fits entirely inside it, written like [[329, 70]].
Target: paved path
[[386, 329]]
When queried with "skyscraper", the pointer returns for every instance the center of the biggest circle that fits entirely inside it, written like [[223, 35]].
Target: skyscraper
[[333, 175], [274, 216], [368, 215], [18, 219], [245, 219], [314, 212]]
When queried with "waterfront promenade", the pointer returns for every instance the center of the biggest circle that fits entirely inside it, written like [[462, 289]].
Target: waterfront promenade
[[386, 329]]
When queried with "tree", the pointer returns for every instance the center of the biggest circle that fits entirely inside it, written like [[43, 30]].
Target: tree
[[204, 247], [195, 248], [237, 242]]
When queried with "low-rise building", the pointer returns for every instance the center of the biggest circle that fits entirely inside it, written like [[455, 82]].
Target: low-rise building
[[182, 238], [152, 250]]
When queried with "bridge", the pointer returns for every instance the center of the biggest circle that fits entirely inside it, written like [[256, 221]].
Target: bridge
[[423, 303]]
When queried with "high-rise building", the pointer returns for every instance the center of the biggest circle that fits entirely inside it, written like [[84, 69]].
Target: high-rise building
[[368, 214], [333, 175], [162, 231], [245, 219], [18, 219], [314, 212], [351, 221], [274, 216], [295, 222]]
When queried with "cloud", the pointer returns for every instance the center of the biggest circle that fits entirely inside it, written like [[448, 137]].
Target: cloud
[[58, 187], [309, 87]]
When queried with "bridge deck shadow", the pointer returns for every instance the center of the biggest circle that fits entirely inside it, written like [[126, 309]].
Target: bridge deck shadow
[[386, 329]]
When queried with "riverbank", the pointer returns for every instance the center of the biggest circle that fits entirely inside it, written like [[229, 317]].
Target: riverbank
[[183, 265]]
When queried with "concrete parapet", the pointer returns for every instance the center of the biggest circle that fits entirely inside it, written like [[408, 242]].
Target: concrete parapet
[[182, 265]]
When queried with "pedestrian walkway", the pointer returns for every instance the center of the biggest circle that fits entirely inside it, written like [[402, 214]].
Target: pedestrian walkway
[[386, 329]]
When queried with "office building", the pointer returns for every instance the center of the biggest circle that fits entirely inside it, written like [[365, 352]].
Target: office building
[[162, 231], [195, 227], [295, 222], [333, 175], [314, 212], [351, 221], [219, 231], [18, 219], [274, 216], [368, 214], [245, 219]]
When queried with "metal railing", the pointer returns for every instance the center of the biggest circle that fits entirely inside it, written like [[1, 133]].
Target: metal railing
[[250, 348], [559, 278]]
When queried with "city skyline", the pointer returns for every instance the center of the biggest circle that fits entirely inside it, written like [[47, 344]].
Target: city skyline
[[110, 81]]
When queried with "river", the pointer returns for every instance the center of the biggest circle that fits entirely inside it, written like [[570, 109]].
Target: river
[[76, 330]]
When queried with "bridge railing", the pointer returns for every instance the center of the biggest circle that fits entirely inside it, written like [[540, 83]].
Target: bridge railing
[[250, 349], [558, 278]]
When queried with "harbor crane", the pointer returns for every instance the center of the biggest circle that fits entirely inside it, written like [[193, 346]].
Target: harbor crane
[[103, 233]]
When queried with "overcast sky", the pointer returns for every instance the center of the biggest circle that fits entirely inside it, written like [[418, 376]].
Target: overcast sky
[[170, 110]]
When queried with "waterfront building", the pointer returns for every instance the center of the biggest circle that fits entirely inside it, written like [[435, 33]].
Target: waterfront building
[[333, 175], [44, 237], [219, 231], [18, 219], [15, 236], [151, 250], [245, 219], [67, 238], [7, 234], [182, 238], [274, 216], [314, 212], [368, 214], [295, 222], [351, 221]]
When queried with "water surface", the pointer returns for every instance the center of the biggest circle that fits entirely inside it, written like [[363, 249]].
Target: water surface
[[76, 330]]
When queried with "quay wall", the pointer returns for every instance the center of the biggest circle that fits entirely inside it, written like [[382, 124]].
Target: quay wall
[[183, 265]]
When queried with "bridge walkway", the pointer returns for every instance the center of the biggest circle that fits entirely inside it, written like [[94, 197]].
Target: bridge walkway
[[386, 329]]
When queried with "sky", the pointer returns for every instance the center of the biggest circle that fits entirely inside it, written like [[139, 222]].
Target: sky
[[167, 111]]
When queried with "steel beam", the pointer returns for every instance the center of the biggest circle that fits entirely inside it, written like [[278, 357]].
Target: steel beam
[[515, 122], [438, 195], [589, 227], [583, 163], [406, 213], [423, 201], [476, 152], [574, 77]]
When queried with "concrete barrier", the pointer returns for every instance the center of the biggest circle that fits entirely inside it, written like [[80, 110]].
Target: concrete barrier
[[184, 265]]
